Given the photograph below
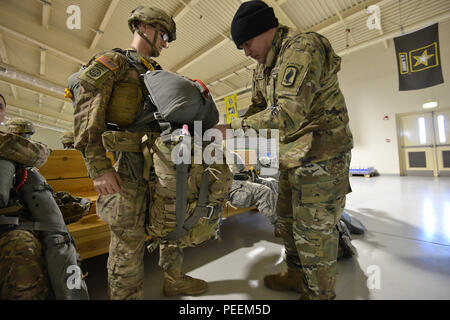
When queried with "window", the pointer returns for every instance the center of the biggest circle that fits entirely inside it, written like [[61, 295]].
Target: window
[[422, 131], [441, 129]]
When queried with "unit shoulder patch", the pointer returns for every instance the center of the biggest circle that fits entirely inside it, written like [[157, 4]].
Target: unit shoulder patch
[[95, 74], [289, 76]]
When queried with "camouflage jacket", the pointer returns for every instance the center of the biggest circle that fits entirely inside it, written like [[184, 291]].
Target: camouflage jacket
[[297, 92], [105, 75]]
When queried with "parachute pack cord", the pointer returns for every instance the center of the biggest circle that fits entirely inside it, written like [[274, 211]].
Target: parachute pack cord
[[211, 170], [24, 179]]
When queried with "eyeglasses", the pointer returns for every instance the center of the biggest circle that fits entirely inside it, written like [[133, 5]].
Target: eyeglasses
[[164, 35]]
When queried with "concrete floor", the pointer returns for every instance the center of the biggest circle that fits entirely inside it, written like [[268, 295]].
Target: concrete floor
[[405, 254]]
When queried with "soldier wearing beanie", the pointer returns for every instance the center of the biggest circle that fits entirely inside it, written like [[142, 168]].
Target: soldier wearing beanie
[[296, 90]]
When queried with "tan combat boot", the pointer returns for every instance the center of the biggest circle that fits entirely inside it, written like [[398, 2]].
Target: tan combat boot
[[182, 284], [290, 280]]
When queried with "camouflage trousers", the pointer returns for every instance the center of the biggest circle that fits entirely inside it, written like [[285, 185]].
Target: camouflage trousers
[[245, 194], [310, 204], [125, 214], [22, 267]]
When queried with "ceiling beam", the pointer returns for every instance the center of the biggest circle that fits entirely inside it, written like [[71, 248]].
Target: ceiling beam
[[101, 29], [14, 91], [63, 107], [3, 53], [42, 111], [46, 12], [42, 123], [22, 79], [184, 9], [281, 14], [42, 45], [216, 44], [437, 18], [342, 19], [356, 11], [246, 67], [326, 25], [42, 63]]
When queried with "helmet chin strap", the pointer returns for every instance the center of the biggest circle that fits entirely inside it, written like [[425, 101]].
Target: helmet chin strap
[[152, 45]]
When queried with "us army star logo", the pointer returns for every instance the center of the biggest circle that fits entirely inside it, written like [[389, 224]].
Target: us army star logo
[[423, 59], [289, 76]]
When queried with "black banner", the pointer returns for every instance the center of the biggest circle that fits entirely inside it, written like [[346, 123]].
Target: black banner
[[418, 59]]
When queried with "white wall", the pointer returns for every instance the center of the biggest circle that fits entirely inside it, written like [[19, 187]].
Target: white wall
[[369, 81]]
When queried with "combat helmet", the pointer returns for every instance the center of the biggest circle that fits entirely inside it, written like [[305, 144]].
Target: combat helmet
[[152, 15], [20, 126], [67, 139]]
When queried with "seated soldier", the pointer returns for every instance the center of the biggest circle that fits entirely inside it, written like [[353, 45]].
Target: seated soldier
[[37, 253], [22, 263], [248, 190], [67, 140]]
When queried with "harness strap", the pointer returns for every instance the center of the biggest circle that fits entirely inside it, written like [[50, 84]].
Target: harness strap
[[181, 201], [33, 225], [201, 210]]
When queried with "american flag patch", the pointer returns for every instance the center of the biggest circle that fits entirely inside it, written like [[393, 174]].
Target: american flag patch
[[107, 63]]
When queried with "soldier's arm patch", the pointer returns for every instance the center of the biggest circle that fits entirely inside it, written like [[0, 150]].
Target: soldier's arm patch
[[294, 70], [95, 74], [107, 62], [289, 76]]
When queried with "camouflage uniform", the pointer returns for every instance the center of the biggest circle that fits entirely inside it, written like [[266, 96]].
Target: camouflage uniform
[[67, 140], [296, 91], [125, 211], [245, 194], [22, 266], [163, 217]]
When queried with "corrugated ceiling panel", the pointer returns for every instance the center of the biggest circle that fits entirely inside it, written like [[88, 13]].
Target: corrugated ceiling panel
[[228, 56], [31, 8], [91, 16], [308, 13], [243, 79], [21, 54], [207, 22], [58, 69]]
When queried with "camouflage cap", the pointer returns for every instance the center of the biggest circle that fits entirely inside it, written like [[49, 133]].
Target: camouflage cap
[[19, 126], [67, 137], [152, 15]]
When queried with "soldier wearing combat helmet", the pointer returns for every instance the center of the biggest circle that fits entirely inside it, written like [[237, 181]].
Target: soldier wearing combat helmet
[[110, 88], [22, 127], [296, 90], [19, 249], [67, 140]]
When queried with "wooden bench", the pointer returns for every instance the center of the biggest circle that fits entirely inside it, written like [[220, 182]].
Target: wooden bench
[[65, 171]]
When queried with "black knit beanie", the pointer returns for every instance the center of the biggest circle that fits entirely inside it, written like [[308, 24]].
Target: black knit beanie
[[251, 19]]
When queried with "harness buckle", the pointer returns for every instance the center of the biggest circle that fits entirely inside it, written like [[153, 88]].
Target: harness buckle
[[210, 212]]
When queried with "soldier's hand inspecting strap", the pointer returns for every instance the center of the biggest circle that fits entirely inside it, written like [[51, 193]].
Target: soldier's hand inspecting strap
[[107, 183]]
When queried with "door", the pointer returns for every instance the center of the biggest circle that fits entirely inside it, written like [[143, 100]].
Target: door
[[442, 136], [424, 143]]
